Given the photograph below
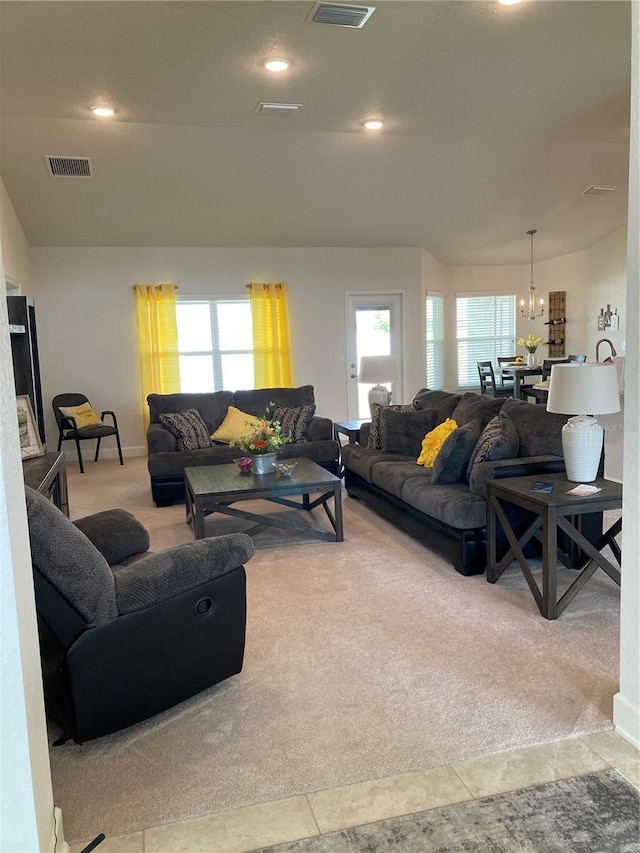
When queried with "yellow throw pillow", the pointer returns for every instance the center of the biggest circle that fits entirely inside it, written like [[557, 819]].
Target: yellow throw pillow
[[433, 441], [84, 415], [235, 424]]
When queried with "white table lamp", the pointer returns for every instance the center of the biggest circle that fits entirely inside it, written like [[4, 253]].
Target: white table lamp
[[576, 388], [377, 369]]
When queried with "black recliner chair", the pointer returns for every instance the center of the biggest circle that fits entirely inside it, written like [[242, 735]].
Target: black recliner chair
[[125, 634]]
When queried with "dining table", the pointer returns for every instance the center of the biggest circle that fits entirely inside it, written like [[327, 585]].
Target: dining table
[[518, 371]]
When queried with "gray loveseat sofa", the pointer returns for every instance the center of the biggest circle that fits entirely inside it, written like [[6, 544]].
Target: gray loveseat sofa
[[449, 515], [166, 463]]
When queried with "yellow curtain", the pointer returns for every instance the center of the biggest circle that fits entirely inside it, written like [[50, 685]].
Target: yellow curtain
[[157, 341], [271, 339]]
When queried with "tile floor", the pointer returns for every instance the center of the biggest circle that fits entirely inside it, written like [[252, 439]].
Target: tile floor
[[253, 827]]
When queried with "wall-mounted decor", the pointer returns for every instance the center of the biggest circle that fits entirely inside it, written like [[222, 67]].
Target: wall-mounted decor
[[556, 323], [30, 444], [608, 319]]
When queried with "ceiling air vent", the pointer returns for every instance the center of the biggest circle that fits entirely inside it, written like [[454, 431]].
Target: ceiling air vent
[[341, 14], [599, 189], [264, 107], [69, 167]]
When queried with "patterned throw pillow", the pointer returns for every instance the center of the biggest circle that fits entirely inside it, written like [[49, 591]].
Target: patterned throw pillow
[[433, 441], [189, 429], [499, 440], [294, 422], [450, 465], [375, 441]]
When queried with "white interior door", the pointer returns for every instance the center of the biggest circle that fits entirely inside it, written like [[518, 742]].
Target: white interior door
[[374, 327]]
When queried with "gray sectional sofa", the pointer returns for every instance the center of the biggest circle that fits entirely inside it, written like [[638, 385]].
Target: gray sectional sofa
[[166, 463], [449, 515]]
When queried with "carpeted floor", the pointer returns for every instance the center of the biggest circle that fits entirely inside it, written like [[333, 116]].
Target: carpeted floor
[[590, 814], [364, 659]]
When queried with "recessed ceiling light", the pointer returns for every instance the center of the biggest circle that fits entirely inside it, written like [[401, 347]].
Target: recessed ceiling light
[[276, 65], [102, 112], [374, 124], [509, 2]]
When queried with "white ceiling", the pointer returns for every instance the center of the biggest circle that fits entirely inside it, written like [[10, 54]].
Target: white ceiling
[[497, 119]]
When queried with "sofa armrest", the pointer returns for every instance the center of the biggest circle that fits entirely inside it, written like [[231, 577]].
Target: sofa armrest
[[320, 429], [167, 573], [160, 440], [116, 533], [520, 467], [364, 433]]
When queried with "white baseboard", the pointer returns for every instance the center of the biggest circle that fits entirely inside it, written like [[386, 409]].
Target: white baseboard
[[626, 719], [60, 845]]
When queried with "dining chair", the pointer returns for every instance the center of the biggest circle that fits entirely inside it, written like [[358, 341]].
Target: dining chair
[[506, 378], [488, 384], [539, 395]]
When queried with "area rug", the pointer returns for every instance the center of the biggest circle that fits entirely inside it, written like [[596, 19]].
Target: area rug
[[590, 814], [364, 659]]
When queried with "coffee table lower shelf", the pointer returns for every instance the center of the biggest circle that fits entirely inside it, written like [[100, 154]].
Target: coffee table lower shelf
[[214, 488]]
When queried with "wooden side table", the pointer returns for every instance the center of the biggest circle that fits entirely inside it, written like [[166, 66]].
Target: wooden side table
[[553, 511], [349, 428], [47, 474]]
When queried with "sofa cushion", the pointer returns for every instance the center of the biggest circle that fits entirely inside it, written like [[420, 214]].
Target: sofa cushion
[[374, 440], [189, 429], [361, 461], [212, 406], [402, 432], [235, 424], [450, 503], [450, 465], [539, 431], [441, 403], [433, 441], [294, 422], [392, 475], [262, 401], [477, 407], [499, 440]]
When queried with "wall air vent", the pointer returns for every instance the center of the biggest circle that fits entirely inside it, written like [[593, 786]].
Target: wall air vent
[[341, 14], [264, 107], [69, 167], [599, 189]]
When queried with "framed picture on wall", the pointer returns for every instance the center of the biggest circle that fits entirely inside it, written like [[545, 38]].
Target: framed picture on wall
[[30, 444]]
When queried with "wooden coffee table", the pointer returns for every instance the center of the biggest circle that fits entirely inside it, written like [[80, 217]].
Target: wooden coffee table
[[213, 488]]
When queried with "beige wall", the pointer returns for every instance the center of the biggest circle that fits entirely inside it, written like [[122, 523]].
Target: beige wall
[[15, 249]]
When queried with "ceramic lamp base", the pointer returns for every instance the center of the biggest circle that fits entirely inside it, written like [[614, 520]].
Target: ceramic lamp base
[[582, 439], [379, 394]]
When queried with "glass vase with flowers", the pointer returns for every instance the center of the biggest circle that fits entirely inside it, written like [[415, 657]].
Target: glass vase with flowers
[[531, 344], [261, 443]]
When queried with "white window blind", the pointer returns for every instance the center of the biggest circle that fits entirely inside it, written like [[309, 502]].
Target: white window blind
[[215, 345], [435, 340], [486, 329]]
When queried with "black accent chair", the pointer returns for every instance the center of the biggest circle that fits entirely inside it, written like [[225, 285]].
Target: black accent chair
[[488, 384], [125, 634], [68, 429]]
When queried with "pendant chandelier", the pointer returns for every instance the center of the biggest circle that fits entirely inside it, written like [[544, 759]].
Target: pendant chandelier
[[530, 310]]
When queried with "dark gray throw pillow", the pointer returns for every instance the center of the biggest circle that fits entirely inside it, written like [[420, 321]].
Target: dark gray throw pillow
[[374, 441], [450, 465], [294, 422], [499, 440], [402, 432], [189, 429]]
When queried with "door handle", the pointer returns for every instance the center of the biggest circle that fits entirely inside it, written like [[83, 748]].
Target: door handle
[[354, 375]]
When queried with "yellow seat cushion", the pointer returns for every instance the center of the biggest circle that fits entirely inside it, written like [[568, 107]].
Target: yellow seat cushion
[[235, 424], [83, 414], [433, 441]]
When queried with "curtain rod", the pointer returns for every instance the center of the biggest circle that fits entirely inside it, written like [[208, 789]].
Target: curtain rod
[[166, 283]]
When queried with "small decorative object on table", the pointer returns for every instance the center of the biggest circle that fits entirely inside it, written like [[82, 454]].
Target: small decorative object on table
[[262, 443], [244, 464], [531, 344], [285, 469]]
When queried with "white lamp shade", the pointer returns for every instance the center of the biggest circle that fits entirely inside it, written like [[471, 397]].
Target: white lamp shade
[[590, 389], [378, 368]]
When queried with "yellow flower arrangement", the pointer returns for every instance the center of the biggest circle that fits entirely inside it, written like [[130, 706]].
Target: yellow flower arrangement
[[263, 437], [530, 343]]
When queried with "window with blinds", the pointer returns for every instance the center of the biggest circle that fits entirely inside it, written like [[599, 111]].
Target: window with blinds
[[435, 340], [486, 329]]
